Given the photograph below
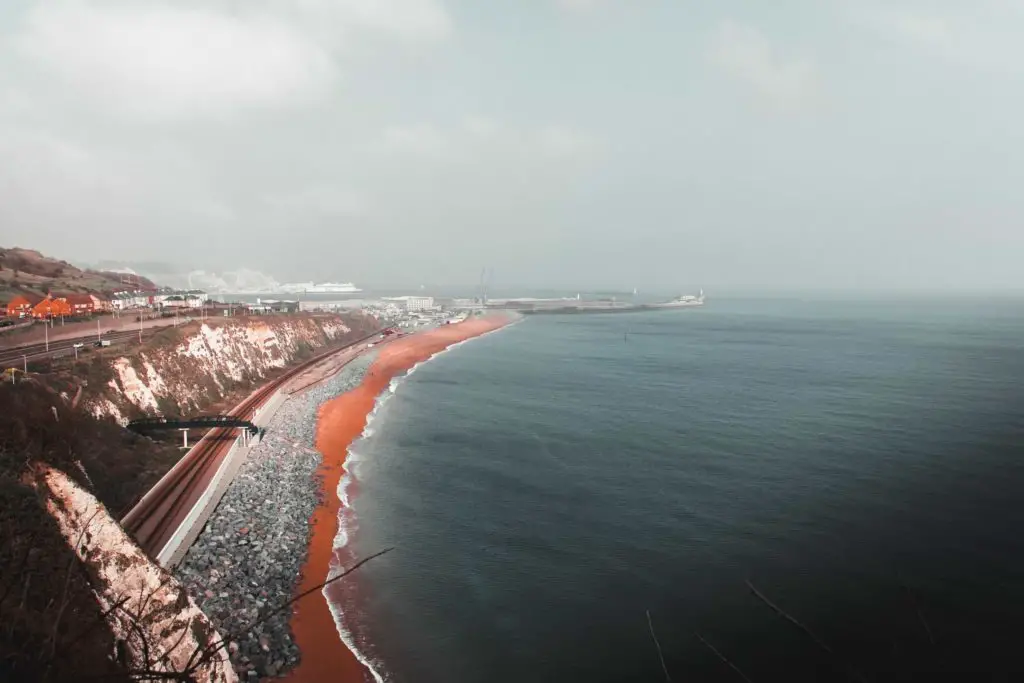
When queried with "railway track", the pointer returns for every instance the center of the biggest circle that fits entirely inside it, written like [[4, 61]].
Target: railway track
[[159, 513]]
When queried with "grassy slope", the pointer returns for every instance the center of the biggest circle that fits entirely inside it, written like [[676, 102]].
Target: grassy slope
[[26, 271]]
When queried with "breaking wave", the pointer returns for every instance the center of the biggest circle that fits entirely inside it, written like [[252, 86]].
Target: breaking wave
[[347, 523]]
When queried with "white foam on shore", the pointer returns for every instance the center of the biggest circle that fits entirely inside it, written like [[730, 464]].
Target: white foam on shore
[[346, 512], [346, 637]]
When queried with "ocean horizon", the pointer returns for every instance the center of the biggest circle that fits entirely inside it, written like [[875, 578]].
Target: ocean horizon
[[547, 486]]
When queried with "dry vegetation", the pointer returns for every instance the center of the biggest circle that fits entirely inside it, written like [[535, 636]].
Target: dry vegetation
[[50, 624], [25, 271]]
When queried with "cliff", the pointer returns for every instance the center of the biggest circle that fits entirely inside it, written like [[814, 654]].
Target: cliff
[[78, 598], [157, 628], [187, 370]]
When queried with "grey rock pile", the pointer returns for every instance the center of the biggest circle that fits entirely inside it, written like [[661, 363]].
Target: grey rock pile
[[248, 558]]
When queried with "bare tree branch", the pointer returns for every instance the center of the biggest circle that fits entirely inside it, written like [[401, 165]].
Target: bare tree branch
[[209, 652], [67, 582], [654, 637], [725, 660], [810, 634], [920, 614], [778, 610]]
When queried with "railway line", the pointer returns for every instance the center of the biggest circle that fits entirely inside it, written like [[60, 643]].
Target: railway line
[[159, 513]]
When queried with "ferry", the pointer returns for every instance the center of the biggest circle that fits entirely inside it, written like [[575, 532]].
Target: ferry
[[683, 300]]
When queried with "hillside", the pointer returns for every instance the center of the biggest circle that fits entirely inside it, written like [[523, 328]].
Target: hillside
[[64, 472], [26, 271]]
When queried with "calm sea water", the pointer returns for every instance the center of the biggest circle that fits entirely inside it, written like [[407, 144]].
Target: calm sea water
[[859, 463]]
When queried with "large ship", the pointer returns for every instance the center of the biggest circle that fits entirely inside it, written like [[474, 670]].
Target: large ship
[[323, 287], [682, 300]]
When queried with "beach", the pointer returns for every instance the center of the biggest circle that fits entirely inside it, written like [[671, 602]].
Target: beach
[[341, 421]]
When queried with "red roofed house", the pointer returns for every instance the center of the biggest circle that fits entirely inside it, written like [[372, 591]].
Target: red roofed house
[[22, 305], [51, 308], [81, 304], [99, 304]]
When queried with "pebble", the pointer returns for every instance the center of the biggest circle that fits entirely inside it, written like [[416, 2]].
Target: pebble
[[253, 547]]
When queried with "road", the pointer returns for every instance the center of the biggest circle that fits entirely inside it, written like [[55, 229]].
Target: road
[[14, 357], [63, 344], [77, 330]]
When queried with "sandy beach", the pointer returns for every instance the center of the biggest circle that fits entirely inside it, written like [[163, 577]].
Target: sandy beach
[[325, 658]]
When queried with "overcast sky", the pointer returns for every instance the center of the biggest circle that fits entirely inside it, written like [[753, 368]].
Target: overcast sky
[[567, 143]]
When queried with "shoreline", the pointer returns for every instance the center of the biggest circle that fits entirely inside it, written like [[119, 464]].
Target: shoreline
[[326, 658], [243, 560]]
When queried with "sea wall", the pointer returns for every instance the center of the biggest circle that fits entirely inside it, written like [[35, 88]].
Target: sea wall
[[183, 371]]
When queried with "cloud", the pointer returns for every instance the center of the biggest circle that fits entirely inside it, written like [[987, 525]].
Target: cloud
[[48, 165], [923, 28], [984, 35], [564, 142], [405, 19], [745, 54], [577, 5], [482, 127], [188, 60], [481, 137], [323, 200], [419, 139], [905, 26], [170, 62]]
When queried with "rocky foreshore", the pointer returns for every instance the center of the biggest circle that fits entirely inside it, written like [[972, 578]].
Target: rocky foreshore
[[248, 558]]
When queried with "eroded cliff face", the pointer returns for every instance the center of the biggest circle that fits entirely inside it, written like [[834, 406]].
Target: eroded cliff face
[[205, 363], [65, 479], [158, 626]]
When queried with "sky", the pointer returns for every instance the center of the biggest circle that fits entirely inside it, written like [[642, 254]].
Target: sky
[[659, 144]]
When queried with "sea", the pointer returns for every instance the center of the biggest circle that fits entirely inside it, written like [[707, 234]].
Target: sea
[[760, 489]]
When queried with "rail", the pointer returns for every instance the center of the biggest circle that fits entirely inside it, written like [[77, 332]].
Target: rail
[[161, 512]]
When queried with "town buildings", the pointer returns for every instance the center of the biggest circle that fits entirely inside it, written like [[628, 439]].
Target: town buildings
[[413, 303], [51, 308], [78, 304], [21, 305]]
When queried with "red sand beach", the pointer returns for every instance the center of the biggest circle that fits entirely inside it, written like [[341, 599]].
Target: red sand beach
[[325, 659]]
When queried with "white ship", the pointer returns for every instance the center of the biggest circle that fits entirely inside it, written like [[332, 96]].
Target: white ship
[[683, 300], [323, 287]]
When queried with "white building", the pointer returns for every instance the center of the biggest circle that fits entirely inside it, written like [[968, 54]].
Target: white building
[[125, 300], [414, 303], [182, 300]]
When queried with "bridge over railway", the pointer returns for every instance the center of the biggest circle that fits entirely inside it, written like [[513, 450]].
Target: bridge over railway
[[150, 424]]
